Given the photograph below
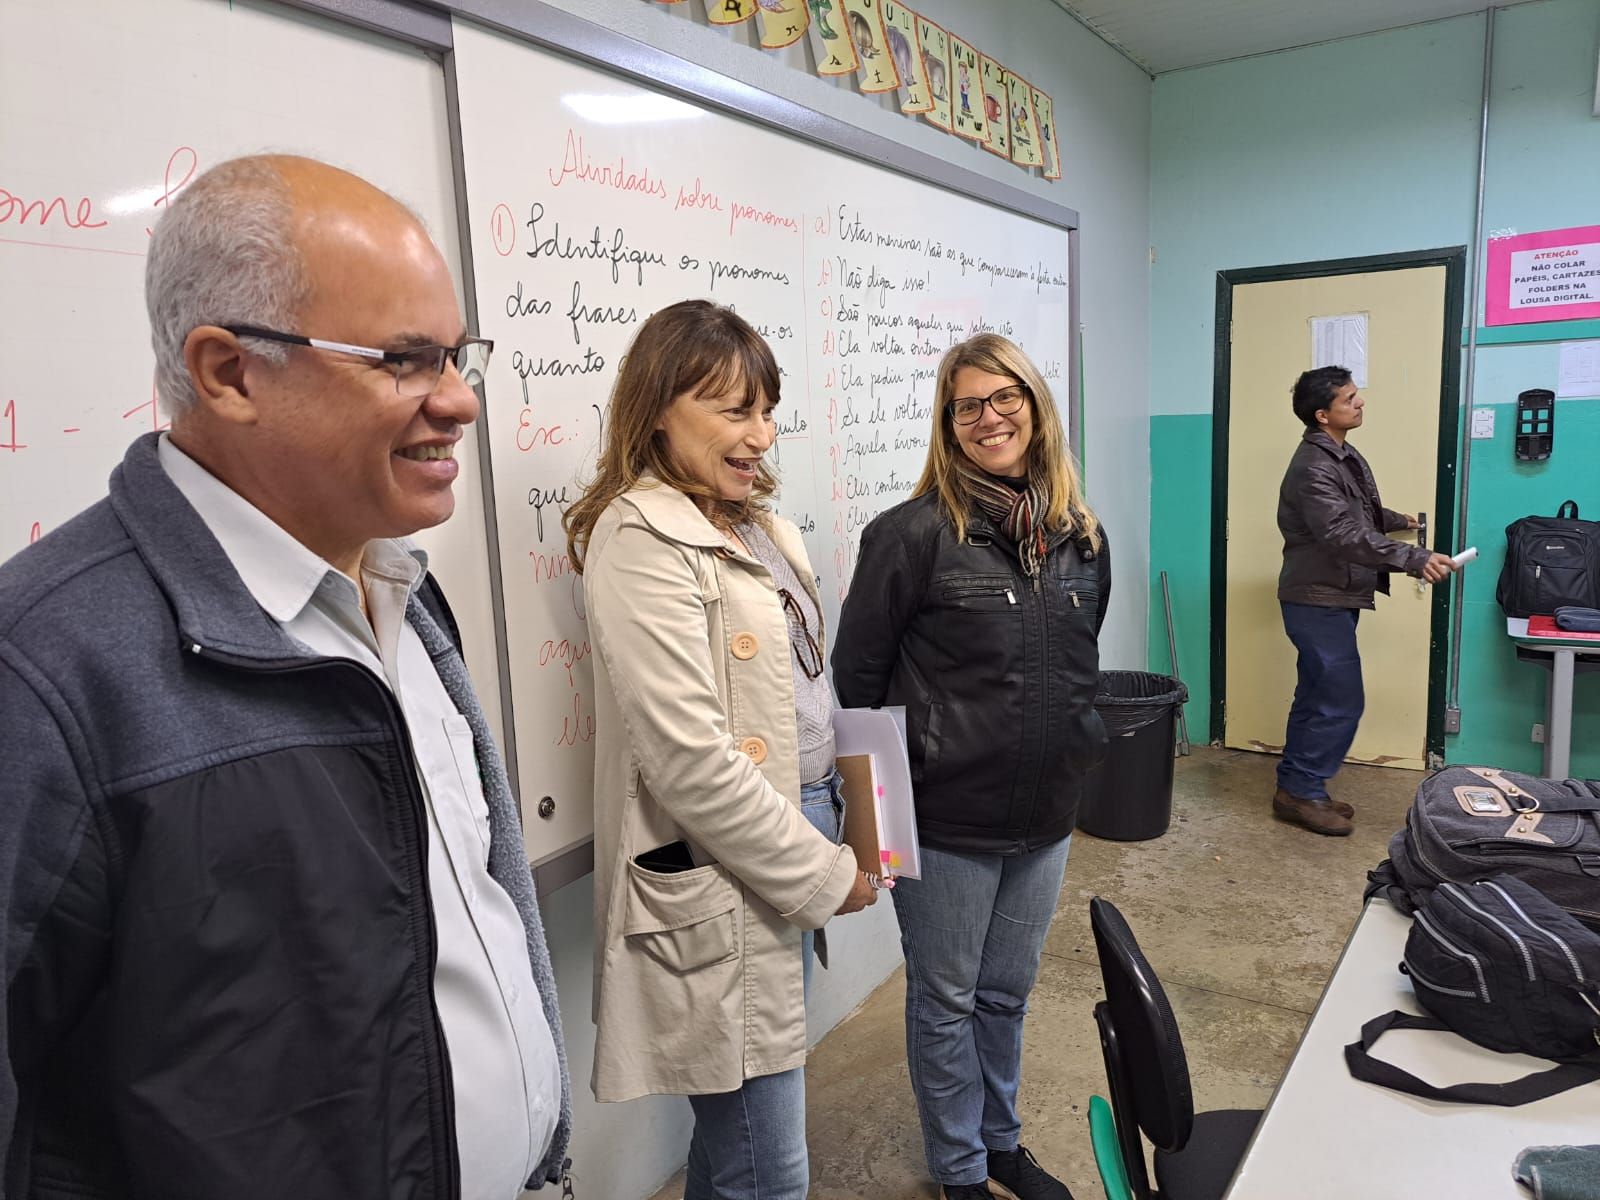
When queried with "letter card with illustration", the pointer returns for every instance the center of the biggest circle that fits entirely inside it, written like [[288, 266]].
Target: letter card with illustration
[[878, 72], [997, 137], [934, 44], [1025, 148], [900, 31], [830, 38], [1047, 133], [966, 100], [781, 22]]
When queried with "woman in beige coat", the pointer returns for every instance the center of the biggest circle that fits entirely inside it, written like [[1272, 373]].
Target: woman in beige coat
[[712, 713]]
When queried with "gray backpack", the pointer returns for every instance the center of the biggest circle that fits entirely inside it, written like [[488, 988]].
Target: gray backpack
[[1468, 823]]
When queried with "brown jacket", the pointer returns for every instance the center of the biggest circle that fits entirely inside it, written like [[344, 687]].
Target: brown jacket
[[1335, 552], [697, 973]]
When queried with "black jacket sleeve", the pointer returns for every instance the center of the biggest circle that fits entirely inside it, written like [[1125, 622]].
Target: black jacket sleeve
[[56, 932], [884, 595], [1104, 559]]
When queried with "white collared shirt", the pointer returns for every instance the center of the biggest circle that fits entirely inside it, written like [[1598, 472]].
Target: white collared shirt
[[502, 1058]]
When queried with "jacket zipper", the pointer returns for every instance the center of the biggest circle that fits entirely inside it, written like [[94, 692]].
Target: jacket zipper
[[1459, 893], [1572, 959], [1477, 967], [426, 940]]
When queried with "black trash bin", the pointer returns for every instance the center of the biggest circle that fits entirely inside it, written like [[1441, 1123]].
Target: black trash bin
[[1128, 797]]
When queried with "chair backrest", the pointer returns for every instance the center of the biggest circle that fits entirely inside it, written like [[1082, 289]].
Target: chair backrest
[[1154, 1086]]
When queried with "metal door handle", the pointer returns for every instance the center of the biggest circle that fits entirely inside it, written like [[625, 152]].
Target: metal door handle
[[1422, 540]]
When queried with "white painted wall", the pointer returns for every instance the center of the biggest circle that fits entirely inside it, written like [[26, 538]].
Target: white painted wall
[[1103, 116]]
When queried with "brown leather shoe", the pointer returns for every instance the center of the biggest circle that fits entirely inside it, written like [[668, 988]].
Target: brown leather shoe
[[1319, 816], [1339, 806]]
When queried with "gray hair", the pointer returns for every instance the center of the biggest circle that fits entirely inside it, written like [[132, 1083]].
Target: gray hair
[[222, 254]]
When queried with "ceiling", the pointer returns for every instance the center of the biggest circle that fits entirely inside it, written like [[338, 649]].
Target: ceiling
[[1168, 35]]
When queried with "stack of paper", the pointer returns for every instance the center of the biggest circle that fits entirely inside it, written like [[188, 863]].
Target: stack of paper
[[880, 818]]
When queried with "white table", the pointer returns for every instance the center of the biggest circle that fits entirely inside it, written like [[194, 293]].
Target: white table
[[1558, 709], [1326, 1136]]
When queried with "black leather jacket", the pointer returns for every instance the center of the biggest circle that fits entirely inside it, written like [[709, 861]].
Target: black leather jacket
[[1335, 552], [998, 673]]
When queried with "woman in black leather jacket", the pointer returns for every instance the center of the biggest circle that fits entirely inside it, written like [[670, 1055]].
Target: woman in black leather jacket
[[977, 604]]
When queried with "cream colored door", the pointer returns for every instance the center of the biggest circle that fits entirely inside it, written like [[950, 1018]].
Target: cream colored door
[[1272, 344]]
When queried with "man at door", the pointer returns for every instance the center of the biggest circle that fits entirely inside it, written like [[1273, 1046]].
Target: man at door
[[1336, 554]]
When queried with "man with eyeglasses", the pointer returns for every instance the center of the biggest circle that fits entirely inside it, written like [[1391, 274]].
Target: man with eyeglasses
[[270, 929]]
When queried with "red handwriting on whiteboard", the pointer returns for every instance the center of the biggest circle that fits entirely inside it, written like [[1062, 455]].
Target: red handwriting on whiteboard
[[183, 158], [699, 198], [8, 420], [503, 228], [550, 566], [18, 209], [761, 216], [577, 727], [530, 435], [575, 164], [565, 653], [156, 423]]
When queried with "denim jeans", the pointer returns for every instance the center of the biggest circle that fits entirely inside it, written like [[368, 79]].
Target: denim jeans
[[972, 929], [751, 1144], [823, 805], [1328, 698]]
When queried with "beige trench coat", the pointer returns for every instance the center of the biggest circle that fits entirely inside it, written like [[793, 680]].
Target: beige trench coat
[[697, 974]]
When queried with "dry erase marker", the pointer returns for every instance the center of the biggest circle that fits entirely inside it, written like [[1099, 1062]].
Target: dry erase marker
[[1466, 556]]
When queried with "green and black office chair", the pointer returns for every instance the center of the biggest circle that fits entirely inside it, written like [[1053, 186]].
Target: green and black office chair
[[1195, 1153]]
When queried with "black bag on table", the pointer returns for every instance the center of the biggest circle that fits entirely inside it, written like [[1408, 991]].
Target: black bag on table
[[1498, 963], [1470, 822], [1550, 562]]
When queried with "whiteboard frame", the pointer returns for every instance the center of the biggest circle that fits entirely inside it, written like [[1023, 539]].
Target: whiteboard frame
[[581, 40]]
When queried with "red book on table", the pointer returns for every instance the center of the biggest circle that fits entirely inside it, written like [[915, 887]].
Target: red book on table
[[1546, 627]]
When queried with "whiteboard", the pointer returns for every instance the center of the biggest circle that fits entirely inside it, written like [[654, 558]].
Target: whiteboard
[[109, 109], [592, 200]]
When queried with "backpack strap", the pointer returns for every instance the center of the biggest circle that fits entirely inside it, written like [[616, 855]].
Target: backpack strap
[[1581, 797], [1537, 1086], [1383, 880], [1568, 510]]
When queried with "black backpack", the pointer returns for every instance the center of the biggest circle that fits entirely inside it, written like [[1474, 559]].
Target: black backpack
[[1499, 964], [1550, 562], [1469, 822]]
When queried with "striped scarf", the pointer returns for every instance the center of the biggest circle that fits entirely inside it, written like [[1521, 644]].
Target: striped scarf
[[1016, 513]]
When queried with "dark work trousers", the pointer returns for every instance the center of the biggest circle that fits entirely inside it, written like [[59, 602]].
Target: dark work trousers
[[1328, 698]]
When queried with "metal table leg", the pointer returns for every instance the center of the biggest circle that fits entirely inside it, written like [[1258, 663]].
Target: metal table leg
[[1558, 720]]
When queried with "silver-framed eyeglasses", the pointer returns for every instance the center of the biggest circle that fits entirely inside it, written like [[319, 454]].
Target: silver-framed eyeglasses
[[416, 370], [965, 410]]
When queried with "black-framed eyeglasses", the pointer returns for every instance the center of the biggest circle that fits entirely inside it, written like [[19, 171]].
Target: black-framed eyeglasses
[[417, 370], [806, 650], [965, 410]]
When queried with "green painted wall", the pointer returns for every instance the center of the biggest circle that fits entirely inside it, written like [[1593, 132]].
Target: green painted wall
[[1369, 146], [1180, 545]]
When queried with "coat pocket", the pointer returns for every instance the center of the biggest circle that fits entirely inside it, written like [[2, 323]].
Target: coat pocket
[[684, 920]]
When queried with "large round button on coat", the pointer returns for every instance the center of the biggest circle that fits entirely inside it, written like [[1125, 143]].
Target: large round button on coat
[[755, 748], [745, 646]]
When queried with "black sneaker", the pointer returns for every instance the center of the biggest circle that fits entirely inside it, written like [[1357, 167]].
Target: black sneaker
[[1021, 1177], [966, 1191]]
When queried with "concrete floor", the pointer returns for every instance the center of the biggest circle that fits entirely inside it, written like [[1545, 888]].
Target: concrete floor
[[1242, 916]]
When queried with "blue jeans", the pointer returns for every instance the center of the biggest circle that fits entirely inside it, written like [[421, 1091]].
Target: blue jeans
[[751, 1144], [1328, 699], [972, 929], [823, 805]]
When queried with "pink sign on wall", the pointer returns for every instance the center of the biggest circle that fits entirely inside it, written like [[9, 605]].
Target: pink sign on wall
[[1549, 276]]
